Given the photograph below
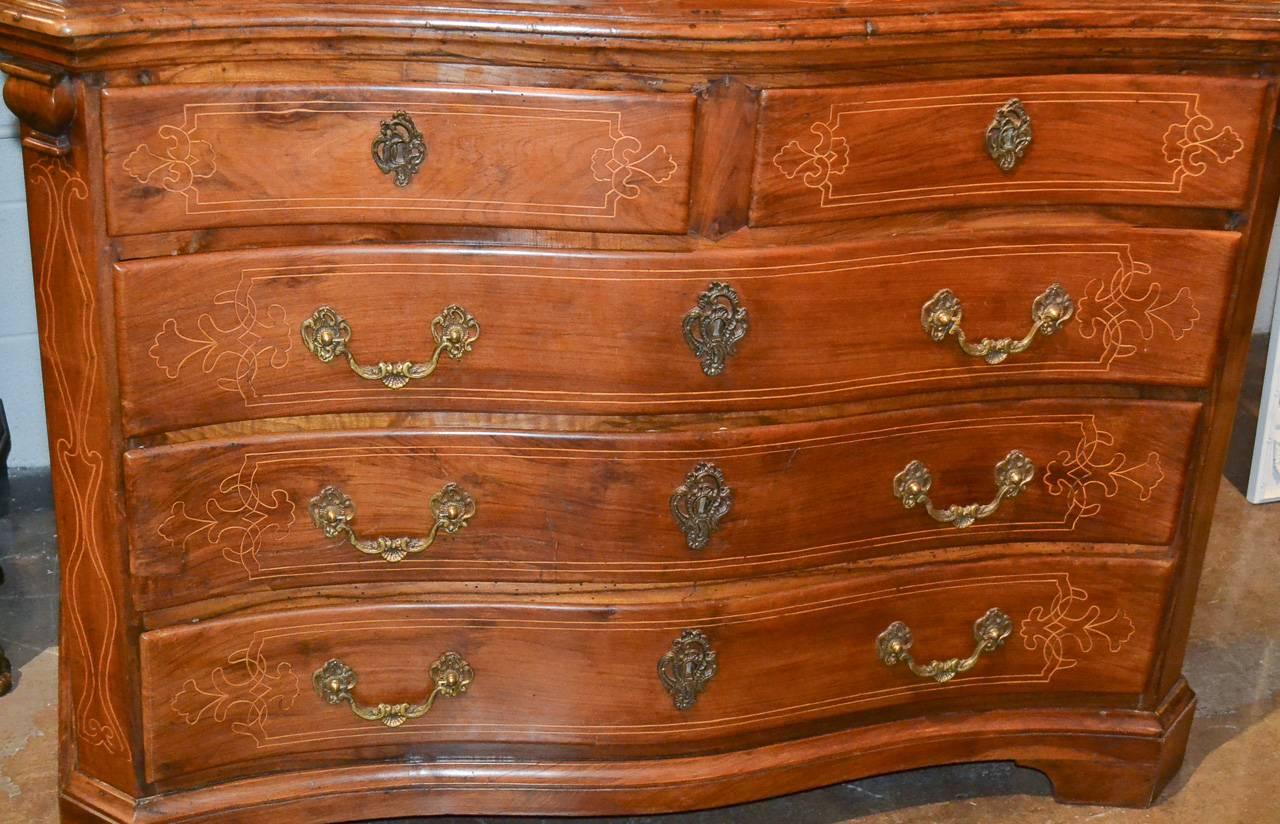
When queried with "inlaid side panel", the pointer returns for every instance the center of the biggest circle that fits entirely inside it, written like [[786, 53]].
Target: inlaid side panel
[[286, 512], [832, 154], [74, 306], [250, 694], [187, 157], [265, 333]]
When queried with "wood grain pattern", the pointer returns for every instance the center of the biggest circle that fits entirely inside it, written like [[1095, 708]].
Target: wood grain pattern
[[238, 691], [217, 338], [192, 156], [596, 508], [830, 154]]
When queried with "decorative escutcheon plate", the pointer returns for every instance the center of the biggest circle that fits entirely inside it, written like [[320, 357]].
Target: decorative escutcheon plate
[[686, 669], [399, 148], [714, 327], [1009, 136], [699, 503]]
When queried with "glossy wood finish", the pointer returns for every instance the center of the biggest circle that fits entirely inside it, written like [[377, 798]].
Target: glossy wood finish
[[583, 679], [191, 157], [216, 338], [832, 154], [581, 354], [596, 508]]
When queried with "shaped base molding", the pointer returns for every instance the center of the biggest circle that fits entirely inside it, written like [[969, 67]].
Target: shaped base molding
[[1118, 758]]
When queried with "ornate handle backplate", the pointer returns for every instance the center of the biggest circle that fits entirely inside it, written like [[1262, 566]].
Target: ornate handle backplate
[[714, 327], [450, 677], [1009, 136], [332, 512], [942, 315], [685, 670], [912, 486], [699, 503], [399, 148], [990, 631], [327, 335]]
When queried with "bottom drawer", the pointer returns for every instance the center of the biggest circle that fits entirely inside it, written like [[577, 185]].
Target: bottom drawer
[[596, 681]]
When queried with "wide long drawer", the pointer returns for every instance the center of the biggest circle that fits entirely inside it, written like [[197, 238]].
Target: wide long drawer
[[195, 156], [208, 338], [220, 517], [832, 154], [475, 679]]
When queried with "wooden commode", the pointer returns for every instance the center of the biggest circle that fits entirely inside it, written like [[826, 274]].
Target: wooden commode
[[632, 406]]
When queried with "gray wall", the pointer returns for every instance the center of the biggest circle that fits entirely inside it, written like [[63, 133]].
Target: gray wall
[[20, 386]]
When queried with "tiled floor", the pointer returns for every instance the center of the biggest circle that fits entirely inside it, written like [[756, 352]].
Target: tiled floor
[[1233, 662]]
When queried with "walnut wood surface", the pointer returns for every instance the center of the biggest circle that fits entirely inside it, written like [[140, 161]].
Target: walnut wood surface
[[586, 354], [596, 508], [835, 153], [192, 156], [583, 679], [217, 338]]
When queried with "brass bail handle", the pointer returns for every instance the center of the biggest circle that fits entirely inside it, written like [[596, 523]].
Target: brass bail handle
[[1012, 475], [332, 512], [327, 335], [335, 681], [893, 647], [942, 314]]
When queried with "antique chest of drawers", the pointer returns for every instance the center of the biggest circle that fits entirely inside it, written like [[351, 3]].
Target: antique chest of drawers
[[622, 406]]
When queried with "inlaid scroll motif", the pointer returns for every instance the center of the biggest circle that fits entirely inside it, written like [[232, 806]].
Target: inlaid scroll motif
[[1197, 143], [233, 342], [1095, 470], [245, 695], [827, 158], [178, 162], [625, 169], [1068, 629], [1130, 310], [237, 518], [73, 363]]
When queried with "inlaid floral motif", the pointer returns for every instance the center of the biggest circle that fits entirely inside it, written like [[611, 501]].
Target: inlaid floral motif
[[828, 158], [1095, 470], [1193, 145], [176, 165], [624, 168], [1068, 628], [1124, 314], [234, 341], [237, 519], [246, 695]]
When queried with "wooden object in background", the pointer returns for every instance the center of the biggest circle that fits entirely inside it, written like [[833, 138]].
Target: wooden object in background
[[609, 408]]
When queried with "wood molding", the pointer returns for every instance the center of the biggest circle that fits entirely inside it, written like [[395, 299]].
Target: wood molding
[[43, 101]]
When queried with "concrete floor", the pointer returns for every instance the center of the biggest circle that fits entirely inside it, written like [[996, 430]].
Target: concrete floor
[[1233, 663]]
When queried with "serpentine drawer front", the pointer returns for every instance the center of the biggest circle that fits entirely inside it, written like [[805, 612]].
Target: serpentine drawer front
[[257, 334], [193, 156], [252, 694], [297, 511], [631, 407], [832, 154]]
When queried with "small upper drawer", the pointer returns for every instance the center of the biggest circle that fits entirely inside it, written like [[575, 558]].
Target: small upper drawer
[[831, 154], [187, 157]]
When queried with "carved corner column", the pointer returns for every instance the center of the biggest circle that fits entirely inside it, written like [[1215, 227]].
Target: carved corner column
[[71, 259]]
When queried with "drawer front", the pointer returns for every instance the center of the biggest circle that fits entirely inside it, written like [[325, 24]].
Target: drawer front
[[833, 154], [216, 518], [221, 337], [236, 695], [189, 157]]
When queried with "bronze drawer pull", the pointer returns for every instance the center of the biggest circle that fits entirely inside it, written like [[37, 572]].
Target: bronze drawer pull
[[714, 327], [1009, 136], [699, 503], [942, 315], [399, 148], [450, 677], [990, 631], [687, 667], [327, 335], [912, 486], [332, 512]]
